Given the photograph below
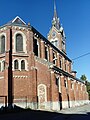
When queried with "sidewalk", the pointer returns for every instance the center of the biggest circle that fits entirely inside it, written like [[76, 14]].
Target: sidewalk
[[77, 113], [77, 110]]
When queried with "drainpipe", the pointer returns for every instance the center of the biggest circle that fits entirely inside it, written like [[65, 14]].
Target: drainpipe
[[10, 96]]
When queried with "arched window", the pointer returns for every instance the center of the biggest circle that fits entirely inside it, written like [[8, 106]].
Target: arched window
[[60, 63], [16, 65], [65, 83], [54, 58], [63, 45], [22, 65], [3, 65], [36, 49], [46, 53], [0, 66], [19, 43], [57, 81], [2, 44]]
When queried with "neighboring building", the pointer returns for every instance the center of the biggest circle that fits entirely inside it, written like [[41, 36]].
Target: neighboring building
[[42, 76]]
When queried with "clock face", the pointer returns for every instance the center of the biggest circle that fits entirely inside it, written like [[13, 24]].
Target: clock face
[[53, 34]]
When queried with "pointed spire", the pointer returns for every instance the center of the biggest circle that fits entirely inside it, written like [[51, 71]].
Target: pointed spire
[[55, 21], [55, 12], [54, 5]]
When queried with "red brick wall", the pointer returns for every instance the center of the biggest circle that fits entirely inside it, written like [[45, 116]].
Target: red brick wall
[[25, 83]]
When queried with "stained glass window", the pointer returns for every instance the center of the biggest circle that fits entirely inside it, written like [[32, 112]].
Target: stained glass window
[[16, 66], [22, 65], [19, 43]]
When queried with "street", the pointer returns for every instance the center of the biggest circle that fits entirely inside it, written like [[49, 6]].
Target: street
[[77, 110], [77, 113]]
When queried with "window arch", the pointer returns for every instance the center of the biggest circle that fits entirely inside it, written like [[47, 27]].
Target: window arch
[[23, 65], [20, 64], [36, 49], [57, 81], [19, 43], [16, 65], [2, 44], [65, 83], [46, 53], [3, 65], [60, 63], [0, 66]]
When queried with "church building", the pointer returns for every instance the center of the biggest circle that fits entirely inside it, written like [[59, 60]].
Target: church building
[[35, 72]]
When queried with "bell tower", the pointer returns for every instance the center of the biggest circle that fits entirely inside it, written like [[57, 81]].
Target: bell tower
[[56, 34]]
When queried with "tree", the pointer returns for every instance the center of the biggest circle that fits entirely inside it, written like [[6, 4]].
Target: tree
[[83, 77]]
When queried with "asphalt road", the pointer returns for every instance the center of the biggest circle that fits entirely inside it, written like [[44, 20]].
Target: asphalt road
[[77, 113]]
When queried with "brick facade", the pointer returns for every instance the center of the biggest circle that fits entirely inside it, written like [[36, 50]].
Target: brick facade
[[42, 77]]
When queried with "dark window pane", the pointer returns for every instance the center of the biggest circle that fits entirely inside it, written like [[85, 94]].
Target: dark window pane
[[65, 83], [22, 65], [2, 44], [0, 66], [54, 60], [19, 43], [65, 67], [46, 53], [60, 64], [35, 46], [57, 81], [16, 64], [3, 65]]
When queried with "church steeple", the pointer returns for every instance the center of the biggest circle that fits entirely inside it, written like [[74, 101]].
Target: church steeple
[[55, 21], [56, 34]]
